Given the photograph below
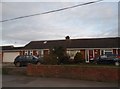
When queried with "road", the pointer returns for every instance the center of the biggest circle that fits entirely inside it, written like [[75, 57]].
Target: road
[[25, 81]]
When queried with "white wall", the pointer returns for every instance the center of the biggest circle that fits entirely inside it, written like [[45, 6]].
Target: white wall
[[10, 56]]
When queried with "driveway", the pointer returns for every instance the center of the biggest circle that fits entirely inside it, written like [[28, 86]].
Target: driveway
[[25, 81]]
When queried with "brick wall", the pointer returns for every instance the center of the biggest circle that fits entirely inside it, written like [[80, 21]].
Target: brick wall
[[14, 70], [75, 72], [0, 57]]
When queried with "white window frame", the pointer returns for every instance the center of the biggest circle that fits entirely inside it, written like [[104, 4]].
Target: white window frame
[[42, 53], [26, 52], [31, 52], [108, 50], [72, 53]]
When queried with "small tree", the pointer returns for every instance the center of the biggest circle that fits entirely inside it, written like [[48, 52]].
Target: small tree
[[60, 52], [50, 59], [78, 58], [57, 56]]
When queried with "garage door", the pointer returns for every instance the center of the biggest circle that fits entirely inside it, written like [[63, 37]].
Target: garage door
[[10, 56]]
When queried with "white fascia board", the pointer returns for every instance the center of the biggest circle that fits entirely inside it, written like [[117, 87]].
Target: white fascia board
[[35, 49], [11, 50], [89, 48]]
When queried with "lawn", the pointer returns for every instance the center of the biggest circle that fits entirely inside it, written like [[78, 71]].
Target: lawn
[[92, 65]]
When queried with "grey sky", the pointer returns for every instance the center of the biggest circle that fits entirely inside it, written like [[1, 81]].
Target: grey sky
[[95, 20]]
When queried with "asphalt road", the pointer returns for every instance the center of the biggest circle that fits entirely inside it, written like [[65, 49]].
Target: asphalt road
[[25, 81]]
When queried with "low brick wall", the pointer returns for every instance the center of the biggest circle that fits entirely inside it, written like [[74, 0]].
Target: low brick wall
[[14, 70], [75, 72]]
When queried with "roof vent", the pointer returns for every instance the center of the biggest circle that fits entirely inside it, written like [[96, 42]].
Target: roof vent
[[44, 42]]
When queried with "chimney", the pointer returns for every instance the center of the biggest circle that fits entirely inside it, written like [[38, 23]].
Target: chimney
[[68, 41], [67, 37]]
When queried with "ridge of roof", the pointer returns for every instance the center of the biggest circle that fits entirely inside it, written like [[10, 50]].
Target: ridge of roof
[[76, 39]]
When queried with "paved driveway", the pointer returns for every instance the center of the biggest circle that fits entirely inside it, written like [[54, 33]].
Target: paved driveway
[[24, 81]]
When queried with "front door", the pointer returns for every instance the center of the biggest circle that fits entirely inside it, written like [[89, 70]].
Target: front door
[[87, 56], [45, 52], [90, 54], [83, 53]]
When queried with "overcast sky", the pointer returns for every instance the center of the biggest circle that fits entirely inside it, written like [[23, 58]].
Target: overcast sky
[[94, 20]]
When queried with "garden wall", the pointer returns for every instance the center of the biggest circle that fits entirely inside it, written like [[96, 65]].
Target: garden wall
[[14, 70], [75, 72]]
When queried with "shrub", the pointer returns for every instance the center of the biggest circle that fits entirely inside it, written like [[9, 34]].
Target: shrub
[[78, 58], [57, 56], [50, 59], [64, 59], [60, 52]]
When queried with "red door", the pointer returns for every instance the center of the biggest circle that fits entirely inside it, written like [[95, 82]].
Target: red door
[[90, 54], [118, 51], [35, 53], [114, 51], [83, 53], [45, 52]]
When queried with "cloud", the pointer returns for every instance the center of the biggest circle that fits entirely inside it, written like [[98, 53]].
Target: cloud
[[55, 1], [95, 20]]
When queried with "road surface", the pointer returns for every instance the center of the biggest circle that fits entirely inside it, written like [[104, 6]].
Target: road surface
[[25, 81]]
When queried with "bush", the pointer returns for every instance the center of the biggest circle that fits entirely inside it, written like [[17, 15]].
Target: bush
[[64, 59], [57, 56], [50, 59], [78, 58]]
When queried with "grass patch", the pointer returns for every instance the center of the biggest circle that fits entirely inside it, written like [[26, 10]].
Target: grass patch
[[92, 65]]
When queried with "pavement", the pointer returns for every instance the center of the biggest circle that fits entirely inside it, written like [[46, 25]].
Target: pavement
[[27, 81]]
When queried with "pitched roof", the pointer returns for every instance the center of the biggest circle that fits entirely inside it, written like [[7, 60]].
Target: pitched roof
[[7, 47], [76, 43], [11, 47]]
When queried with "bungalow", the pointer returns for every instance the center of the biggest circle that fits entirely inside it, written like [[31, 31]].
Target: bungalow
[[88, 47], [0, 56], [9, 53]]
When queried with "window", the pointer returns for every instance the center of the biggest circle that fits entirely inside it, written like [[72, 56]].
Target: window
[[102, 52], [72, 53], [30, 52], [41, 53], [108, 51], [26, 53]]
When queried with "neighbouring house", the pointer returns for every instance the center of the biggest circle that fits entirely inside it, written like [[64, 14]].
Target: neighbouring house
[[0, 55], [88, 47], [9, 53]]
